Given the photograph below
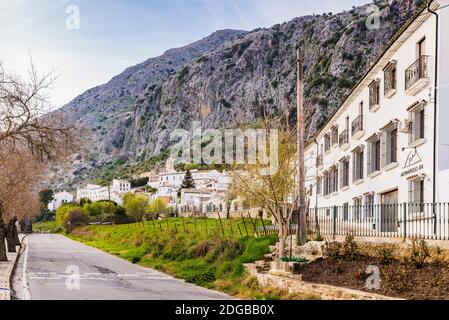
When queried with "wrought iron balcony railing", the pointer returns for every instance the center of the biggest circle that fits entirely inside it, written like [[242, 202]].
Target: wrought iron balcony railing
[[417, 71], [344, 137], [357, 125]]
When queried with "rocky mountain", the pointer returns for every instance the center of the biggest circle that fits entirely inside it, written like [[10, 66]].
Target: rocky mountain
[[232, 76]]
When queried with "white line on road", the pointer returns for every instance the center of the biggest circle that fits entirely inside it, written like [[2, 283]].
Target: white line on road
[[26, 288]]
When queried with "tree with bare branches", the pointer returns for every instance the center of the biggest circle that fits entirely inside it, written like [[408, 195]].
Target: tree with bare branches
[[275, 192], [31, 135]]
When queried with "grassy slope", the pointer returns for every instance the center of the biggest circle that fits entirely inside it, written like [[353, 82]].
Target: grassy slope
[[196, 251]]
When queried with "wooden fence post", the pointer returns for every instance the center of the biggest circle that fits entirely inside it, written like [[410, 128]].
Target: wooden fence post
[[244, 225], [254, 225], [221, 223]]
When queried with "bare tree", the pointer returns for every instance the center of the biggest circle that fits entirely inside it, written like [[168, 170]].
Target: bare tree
[[26, 120], [30, 136], [20, 174], [275, 192]]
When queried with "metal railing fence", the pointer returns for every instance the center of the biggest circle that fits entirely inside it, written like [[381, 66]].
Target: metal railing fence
[[406, 220]]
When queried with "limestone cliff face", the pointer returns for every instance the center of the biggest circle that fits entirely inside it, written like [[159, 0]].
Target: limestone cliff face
[[231, 77]]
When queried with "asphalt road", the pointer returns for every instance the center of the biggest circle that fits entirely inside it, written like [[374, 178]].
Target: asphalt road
[[51, 265]]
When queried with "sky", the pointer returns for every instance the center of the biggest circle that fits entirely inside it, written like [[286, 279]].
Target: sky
[[87, 42]]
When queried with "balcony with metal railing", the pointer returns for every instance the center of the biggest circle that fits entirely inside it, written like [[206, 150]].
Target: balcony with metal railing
[[417, 75], [357, 127], [344, 140]]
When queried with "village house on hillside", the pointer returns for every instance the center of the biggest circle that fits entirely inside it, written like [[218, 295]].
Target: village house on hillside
[[97, 193], [59, 199]]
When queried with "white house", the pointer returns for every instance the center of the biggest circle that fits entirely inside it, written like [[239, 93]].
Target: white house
[[97, 193], [203, 200], [60, 199], [120, 186], [385, 145]]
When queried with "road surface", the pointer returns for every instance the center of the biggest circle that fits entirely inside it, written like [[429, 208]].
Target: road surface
[[49, 267]]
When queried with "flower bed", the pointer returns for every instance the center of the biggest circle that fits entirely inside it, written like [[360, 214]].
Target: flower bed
[[421, 275]]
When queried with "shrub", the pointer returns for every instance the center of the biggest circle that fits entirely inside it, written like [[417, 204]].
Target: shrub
[[386, 253], [319, 237], [293, 259], [93, 209], [438, 257], [345, 83], [350, 247], [399, 279], [323, 102], [332, 249], [61, 213], [182, 74], [76, 216], [419, 253]]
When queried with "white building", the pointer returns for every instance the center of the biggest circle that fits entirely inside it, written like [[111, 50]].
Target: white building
[[120, 186], [98, 193], [60, 199], [385, 144], [169, 182]]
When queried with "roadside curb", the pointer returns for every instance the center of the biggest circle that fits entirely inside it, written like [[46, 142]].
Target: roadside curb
[[6, 281]]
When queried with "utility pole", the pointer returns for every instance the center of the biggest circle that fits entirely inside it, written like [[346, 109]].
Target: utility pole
[[301, 232]]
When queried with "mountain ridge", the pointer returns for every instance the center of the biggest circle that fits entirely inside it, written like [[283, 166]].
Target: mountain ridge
[[229, 77]]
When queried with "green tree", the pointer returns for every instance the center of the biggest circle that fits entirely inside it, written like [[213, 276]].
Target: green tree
[[94, 209], [45, 197], [62, 211], [140, 182], [136, 206], [127, 197], [108, 208], [76, 216], [156, 207], [187, 183]]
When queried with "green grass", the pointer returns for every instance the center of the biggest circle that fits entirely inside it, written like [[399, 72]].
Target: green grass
[[201, 251], [47, 227]]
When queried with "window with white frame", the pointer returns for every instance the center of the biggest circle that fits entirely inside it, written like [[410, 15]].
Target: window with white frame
[[326, 183], [389, 146], [334, 135], [374, 156], [416, 195], [369, 205], [390, 79], [344, 172], [357, 208], [346, 211], [374, 94], [417, 123], [333, 179], [357, 164]]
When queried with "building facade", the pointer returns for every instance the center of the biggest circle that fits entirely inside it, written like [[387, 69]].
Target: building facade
[[385, 145], [99, 193], [60, 199]]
